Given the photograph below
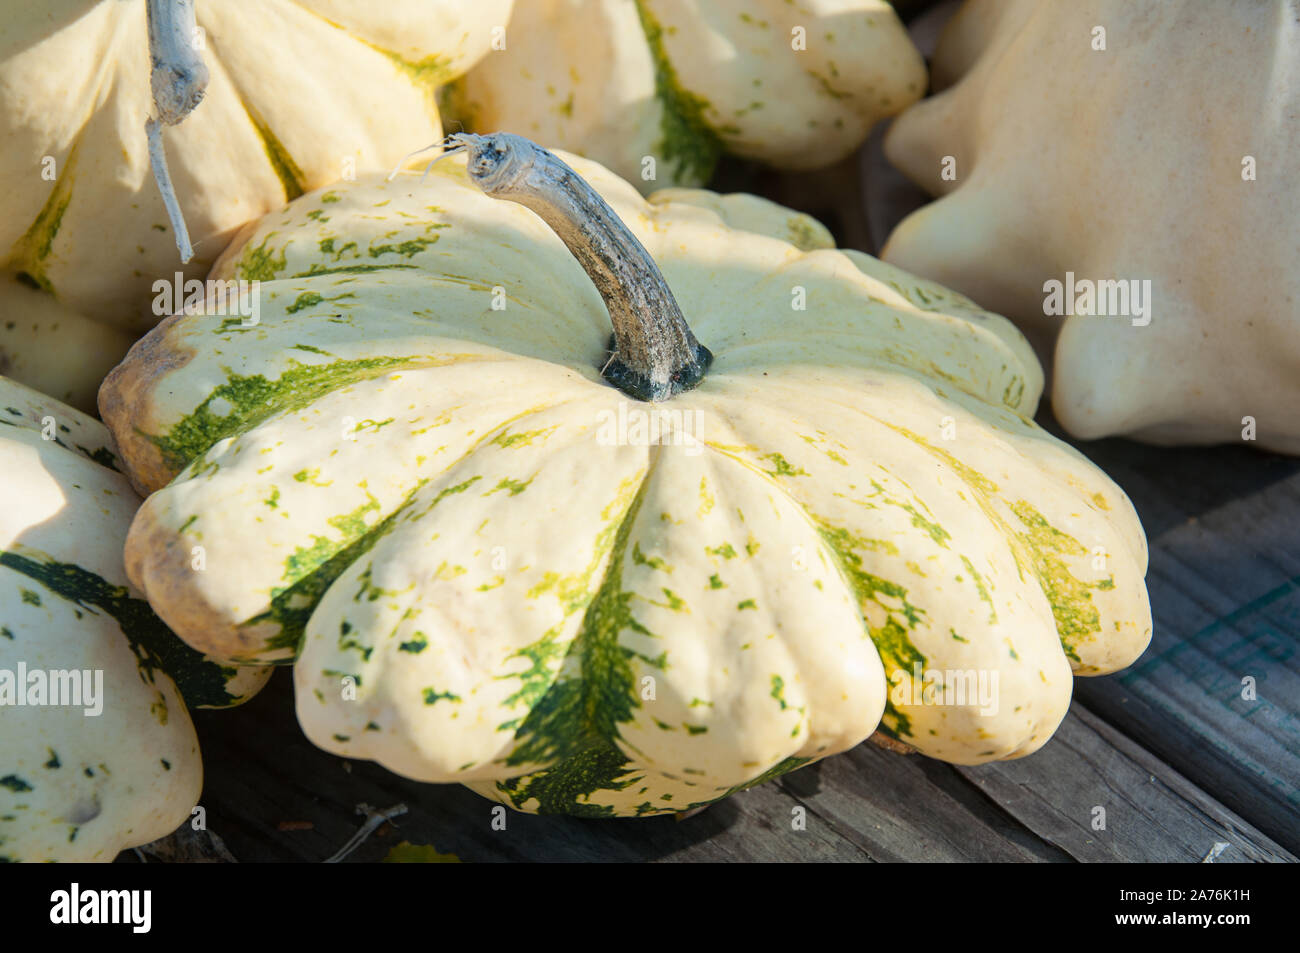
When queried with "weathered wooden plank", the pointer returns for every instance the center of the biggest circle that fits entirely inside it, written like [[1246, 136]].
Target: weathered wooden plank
[[1090, 773], [1225, 594], [865, 805]]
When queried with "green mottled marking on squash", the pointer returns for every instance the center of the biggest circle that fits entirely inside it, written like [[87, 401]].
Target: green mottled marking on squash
[[374, 425], [894, 723], [675, 602], [575, 595], [309, 299], [507, 440], [202, 682], [307, 559], [934, 530], [286, 169], [407, 249], [782, 467], [573, 723], [445, 492], [897, 653], [32, 250], [825, 83], [706, 498], [689, 142], [432, 697], [804, 234], [1040, 549], [513, 487], [1014, 393], [257, 264], [318, 269], [100, 455], [417, 644], [725, 551], [254, 398], [778, 692], [783, 767], [292, 606], [371, 592], [29, 597], [429, 73], [654, 562], [982, 589], [15, 784], [1077, 618], [446, 571]]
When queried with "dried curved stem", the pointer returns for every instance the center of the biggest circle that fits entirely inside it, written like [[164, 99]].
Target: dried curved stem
[[654, 354], [178, 79]]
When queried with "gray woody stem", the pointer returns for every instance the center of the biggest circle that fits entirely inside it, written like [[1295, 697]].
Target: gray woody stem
[[178, 80], [655, 355]]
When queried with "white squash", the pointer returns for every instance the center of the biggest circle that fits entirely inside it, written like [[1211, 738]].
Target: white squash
[[300, 94], [415, 477], [1166, 161], [102, 755], [794, 83]]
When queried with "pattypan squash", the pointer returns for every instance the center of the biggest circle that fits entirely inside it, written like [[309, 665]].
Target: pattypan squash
[[85, 225], [1120, 179], [627, 575], [657, 90], [97, 752]]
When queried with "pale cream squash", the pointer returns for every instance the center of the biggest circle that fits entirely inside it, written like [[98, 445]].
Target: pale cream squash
[[656, 90], [1167, 161], [301, 92], [491, 566], [97, 752]]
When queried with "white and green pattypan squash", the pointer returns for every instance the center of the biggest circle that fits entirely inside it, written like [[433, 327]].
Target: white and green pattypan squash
[[619, 582], [97, 752], [1120, 178], [657, 90], [299, 93]]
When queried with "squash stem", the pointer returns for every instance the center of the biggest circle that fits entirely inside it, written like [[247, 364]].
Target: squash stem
[[653, 354], [178, 80]]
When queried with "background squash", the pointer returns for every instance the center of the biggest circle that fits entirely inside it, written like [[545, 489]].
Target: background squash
[[622, 80], [1101, 163], [77, 786], [406, 477], [300, 94]]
